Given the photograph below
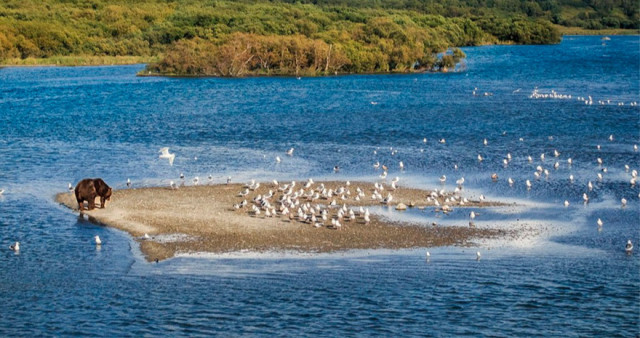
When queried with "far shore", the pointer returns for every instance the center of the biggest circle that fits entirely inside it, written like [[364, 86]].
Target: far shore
[[202, 218], [91, 60]]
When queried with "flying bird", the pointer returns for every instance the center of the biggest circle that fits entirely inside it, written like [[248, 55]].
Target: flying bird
[[164, 153]]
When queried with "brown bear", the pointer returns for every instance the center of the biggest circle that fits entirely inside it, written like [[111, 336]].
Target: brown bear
[[88, 189]]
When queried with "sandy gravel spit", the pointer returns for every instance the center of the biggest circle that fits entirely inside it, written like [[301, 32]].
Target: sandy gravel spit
[[191, 219]]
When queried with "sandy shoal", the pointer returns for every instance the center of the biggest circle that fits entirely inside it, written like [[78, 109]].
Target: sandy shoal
[[202, 219]]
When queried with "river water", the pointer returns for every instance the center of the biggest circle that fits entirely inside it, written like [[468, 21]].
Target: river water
[[566, 276]]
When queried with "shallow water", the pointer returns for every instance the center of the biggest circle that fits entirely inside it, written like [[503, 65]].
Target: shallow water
[[566, 277]]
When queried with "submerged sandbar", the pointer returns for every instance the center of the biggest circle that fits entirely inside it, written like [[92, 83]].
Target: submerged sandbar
[[203, 219]]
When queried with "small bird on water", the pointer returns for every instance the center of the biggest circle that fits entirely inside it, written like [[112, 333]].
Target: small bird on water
[[15, 247], [629, 247], [97, 240]]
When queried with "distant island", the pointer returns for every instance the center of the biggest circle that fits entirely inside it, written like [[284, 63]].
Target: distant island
[[296, 38]]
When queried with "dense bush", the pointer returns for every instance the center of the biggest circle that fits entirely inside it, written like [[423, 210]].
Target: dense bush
[[371, 35]]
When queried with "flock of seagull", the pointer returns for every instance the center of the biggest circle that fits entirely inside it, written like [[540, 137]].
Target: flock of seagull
[[588, 100], [295, 201]]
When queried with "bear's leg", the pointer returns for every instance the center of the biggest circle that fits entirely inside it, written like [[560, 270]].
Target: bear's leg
[[102, 202], [92, 202], [80, 204]]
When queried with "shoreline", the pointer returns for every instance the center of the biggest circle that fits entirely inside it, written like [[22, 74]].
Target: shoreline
[[202, 219], [122, 60]]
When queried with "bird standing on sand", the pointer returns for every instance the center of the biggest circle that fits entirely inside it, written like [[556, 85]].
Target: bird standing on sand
[[97, 240], [15, 247], [128, 183], [165, 154]]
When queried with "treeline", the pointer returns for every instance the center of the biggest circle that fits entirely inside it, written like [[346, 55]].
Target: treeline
[[589, 14], [361, 36], [241, 54]]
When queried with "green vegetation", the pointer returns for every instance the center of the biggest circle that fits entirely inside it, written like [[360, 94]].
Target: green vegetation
[[286, 37]]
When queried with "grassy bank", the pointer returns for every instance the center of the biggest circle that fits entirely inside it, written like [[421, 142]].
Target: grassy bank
[[79, 61]]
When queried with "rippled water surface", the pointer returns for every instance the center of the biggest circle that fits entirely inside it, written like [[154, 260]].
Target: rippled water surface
[[565, 277]]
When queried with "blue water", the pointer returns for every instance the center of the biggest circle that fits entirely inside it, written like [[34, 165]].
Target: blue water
[[563, 277]]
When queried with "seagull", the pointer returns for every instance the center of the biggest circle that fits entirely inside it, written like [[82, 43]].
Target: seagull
[[528, 184], [628, 248], [478, 255], [172, 185], [15, 247], [635, 147], [210, 178], [383, 175], [376, 165], [146, 236], [472, 215], [529, 158], [460, 182], [585, 197], [443, 179], [278, 159], [97, 240], [542, 157], [480, 158], [442, 140], [566, 203], [336, 169], [611, 137], [571, 178], [599, 160], [428, 255], [165, 154], [401, 165], [196, 180], [228, 179], [424, 140], [556, 153], [70, 188], [510, 180], [624, 202], [570, 161], [485, 142], [182, 176], [290, 151], [128, 183], [494, 176], [599, 222]]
